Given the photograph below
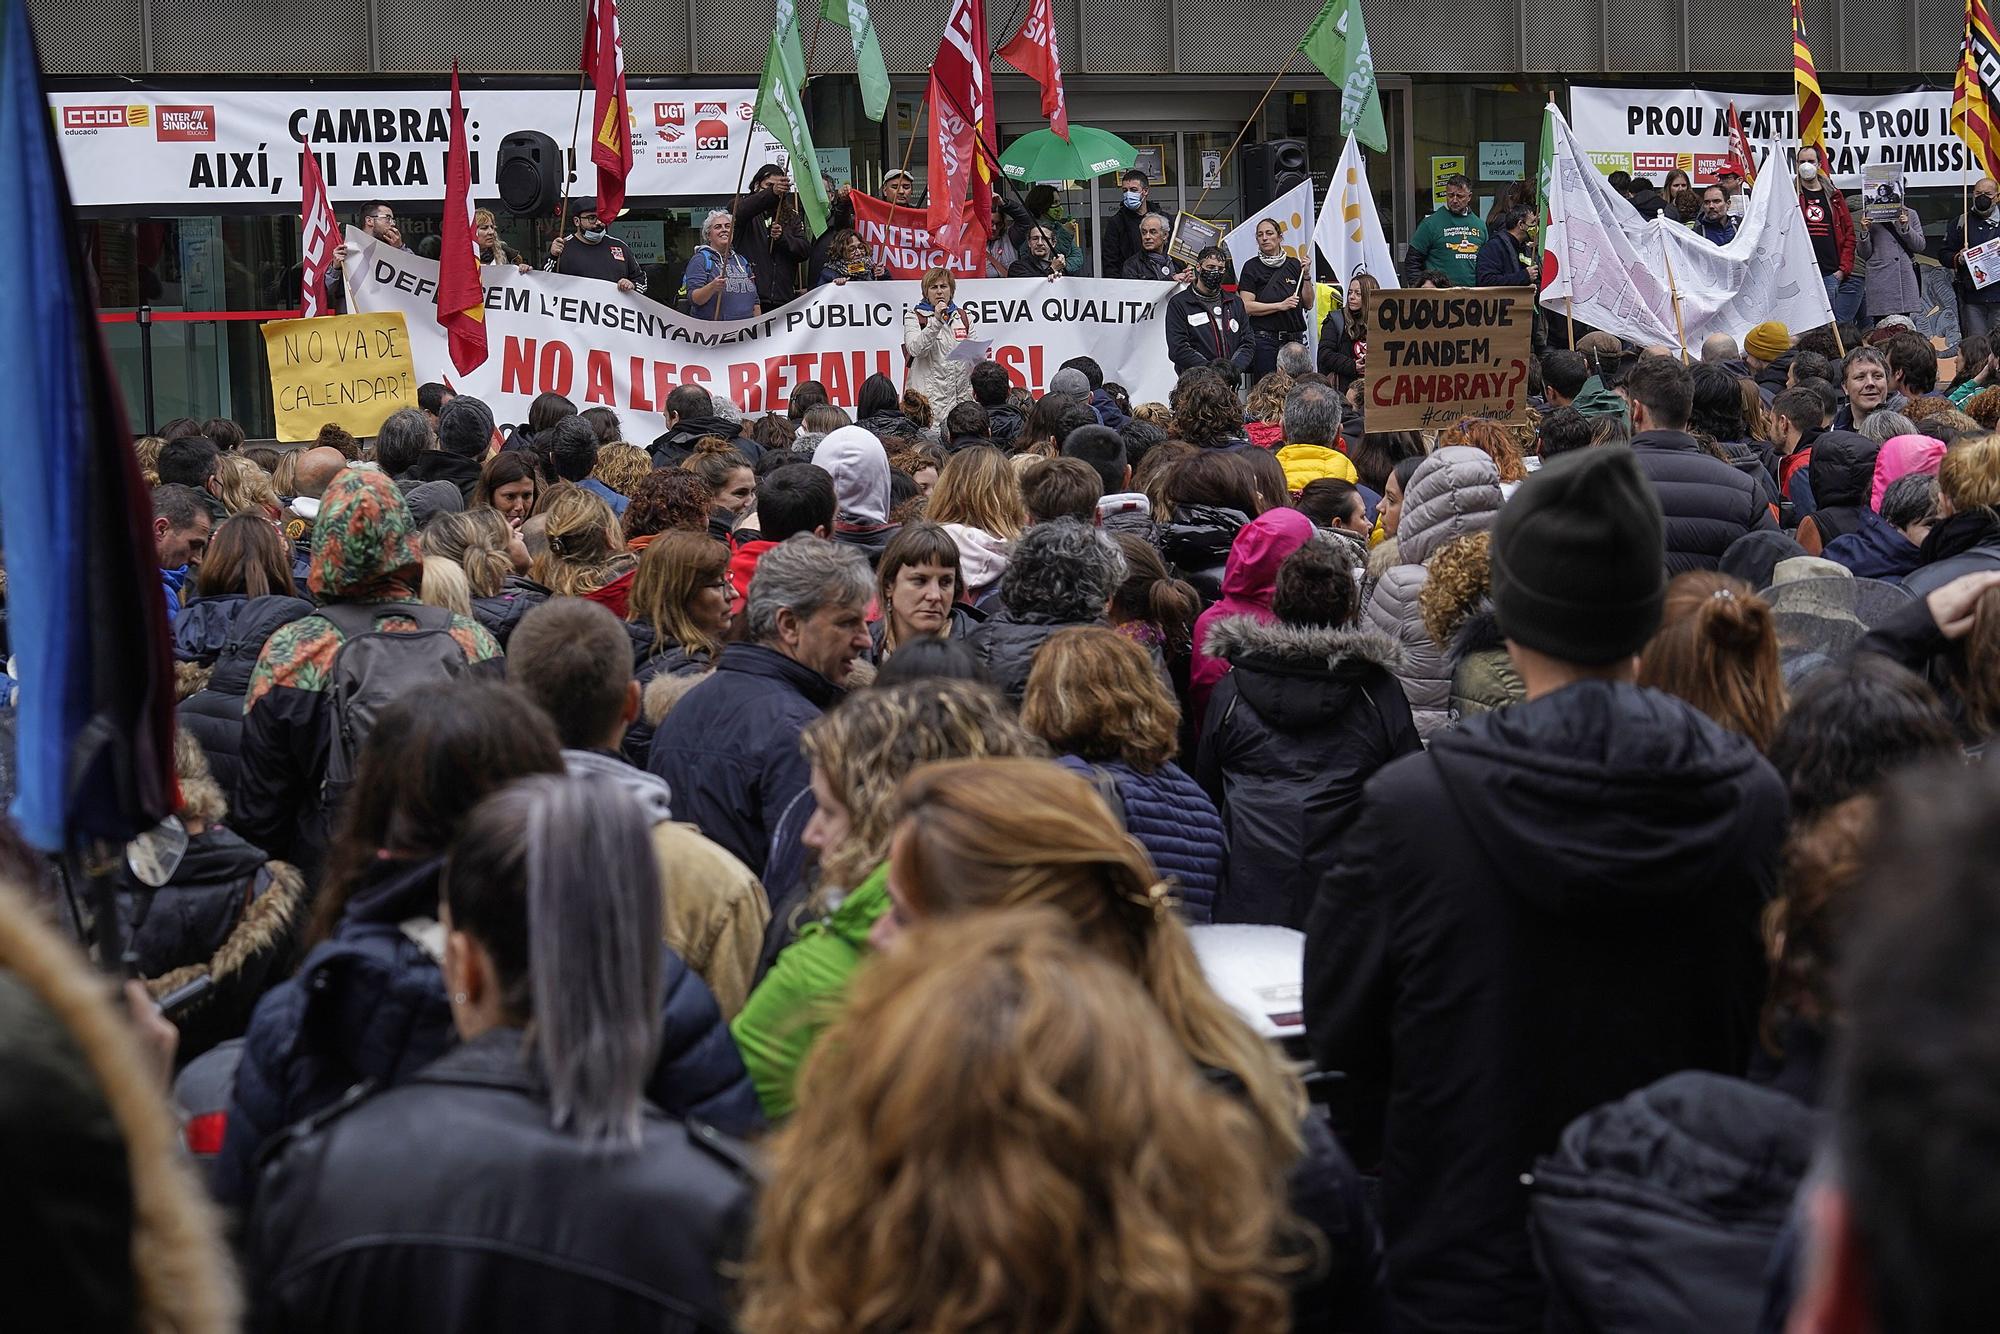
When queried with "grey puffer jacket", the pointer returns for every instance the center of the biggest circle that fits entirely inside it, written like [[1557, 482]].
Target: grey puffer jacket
[[1455, 492]]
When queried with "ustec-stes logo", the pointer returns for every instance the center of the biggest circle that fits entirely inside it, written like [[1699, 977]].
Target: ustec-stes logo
[[186, 125]]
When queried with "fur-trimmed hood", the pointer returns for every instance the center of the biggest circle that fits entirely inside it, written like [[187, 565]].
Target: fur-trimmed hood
[[1478, 631], [1302, 678], [1240, 639], [667, 690]]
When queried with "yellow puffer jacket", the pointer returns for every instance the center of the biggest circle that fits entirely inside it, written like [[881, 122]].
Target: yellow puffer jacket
[[1312, 463]]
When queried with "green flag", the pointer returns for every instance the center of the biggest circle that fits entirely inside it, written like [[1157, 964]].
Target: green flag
[[780, 111], [1338, 44], [867, 52]]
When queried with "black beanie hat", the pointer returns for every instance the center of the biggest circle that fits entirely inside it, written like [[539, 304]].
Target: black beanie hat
[[1579, 564]]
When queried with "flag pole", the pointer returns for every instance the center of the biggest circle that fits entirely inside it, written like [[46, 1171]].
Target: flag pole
[[575, 128], [1283, 70], [1673, 291]]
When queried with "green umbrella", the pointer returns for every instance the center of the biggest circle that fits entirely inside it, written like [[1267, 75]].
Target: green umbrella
[[1043, 156]]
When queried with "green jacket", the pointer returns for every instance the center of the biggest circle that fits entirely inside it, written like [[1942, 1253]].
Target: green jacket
[[1448, 243], [1594, 400], [803, 993]]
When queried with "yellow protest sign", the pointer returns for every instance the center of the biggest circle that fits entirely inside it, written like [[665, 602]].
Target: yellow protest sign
[[351, 369]]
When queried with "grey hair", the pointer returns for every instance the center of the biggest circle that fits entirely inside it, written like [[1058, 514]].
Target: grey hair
[[402, 440], [805, 443], [1062, 570], [805, 573], [1883, 425], [726, 408], [1294, 359], [578, 853], [1718, 347], [716, 215], [1312, 415], [1910, 498]]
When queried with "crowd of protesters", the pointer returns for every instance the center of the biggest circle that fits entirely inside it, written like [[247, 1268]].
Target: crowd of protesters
[[777, 876]]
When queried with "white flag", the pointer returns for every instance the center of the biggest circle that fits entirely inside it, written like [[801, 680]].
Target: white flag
[[1615, 266], [1349, 233], [1293, 211]]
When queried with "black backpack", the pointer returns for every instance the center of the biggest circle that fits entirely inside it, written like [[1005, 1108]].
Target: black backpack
[[371, 670]]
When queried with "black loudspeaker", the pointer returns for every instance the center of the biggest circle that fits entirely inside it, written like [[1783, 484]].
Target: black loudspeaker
[[528, 173], [1270, 169]]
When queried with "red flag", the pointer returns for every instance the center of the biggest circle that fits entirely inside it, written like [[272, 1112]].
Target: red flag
[[1739, 149], [961, 97], [1032, 51], [611, 141], [317, 241], [461, 298], [899, 239]]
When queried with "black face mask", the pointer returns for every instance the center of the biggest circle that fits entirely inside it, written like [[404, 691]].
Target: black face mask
[[1211, 278], [1981, 206]]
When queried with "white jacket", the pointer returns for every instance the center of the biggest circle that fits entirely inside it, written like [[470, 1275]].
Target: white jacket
[[929, 340]]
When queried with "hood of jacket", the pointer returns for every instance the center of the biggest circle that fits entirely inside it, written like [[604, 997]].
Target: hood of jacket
[[1875, 550], [364, 545], [616, 596], [1455, 492], [397, 889], [1594, 400], [1900, 456], [254, 623], [982, 557], [1601, 796], [434, 465], [1299, 676], [650, 790], [202, 628], [890, 423], [1251, 574], [859, 466], [1777, 371], [1200, 536], [1842, 469]]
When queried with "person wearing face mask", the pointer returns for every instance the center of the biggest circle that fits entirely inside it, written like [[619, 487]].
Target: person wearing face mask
[[1831, 228], [1976, 305], [1276, 295], [595, 253], [1205, 323], [1449, 239], [1045, 210], [1714, 224], [1121, 229]]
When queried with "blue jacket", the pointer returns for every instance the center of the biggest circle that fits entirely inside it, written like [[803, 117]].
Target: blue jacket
[[604, 493], [171, 583], [1175, 822], [1106, 410], [1878, 551], [730, 748], [1719, 236], [369, 1004], [1500, 264]]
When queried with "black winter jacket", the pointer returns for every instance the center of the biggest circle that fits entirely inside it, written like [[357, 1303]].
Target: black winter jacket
[[1338, 348], [673, 660], [672, 447], [730, 748], [1196, 545], [1007, 644], [1201, 329], [1554, 905], [451, 1204], [1965, 543], [213, 715], [1842, 470], [1658, 1212], [1707, 503], [369, 1004], [1121, 235], [503, 611], [1002, 425], [1173, 819], [1303, 720], [434, 465], [774, 262]]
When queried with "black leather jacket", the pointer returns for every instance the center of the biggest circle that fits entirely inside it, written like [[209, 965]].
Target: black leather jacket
[[449, 1204]]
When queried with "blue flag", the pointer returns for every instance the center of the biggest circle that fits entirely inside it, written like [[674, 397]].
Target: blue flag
[[85, 615]]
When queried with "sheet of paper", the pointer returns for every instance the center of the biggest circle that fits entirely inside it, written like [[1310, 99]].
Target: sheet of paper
[[971, 349]]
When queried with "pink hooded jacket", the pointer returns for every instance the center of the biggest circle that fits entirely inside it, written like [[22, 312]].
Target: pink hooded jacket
[[1900, 456], [1249, 578]]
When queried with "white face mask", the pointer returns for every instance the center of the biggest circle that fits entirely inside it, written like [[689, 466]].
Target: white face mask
[[1808, 171]]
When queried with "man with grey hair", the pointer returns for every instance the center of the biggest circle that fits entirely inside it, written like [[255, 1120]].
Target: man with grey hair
[[403, 439], [1294, 360], [1312, 449], [1061, 573], [1719, 347], [718, 284], [729, 749]]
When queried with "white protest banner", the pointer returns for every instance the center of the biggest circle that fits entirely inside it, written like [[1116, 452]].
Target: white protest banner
[[1651, 131], [1623, 273], [225, 147], [596, 345], [1349, 231]]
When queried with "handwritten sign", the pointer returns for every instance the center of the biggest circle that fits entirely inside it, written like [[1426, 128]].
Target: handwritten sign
[[351, 369], [1437, 356]]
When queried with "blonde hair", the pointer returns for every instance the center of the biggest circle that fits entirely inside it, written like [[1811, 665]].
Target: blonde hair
[[1969, 476], [585, 551], [200, 795], [245, 486], [1717, 648], [977, 488], [1092, 692], [444, 586], [620, 466], [147, 450], [876, 738], [1111, 1188], [936, 272], [1267, 401], [997, 833], [477, 541]]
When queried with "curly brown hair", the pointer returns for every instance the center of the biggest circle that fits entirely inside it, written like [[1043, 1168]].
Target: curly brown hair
[[1112, 1187], [1267, 401], [1093, 693], [1984, 408], [666, 499], [620, 467], [1461, 573], [1205, 410], [1491, 440], [1825, 858]]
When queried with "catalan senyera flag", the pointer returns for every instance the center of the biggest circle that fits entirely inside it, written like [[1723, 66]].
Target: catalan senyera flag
[[1973, 92], [1812, 107], [461, 297], [610, 118]]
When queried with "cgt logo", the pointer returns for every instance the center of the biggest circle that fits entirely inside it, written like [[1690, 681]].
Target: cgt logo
[[87, 118], [186, 125], [711, 136]]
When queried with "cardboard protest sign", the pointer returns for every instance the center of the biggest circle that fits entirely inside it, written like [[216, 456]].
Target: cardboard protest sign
[[351, 369], [1437, 356]]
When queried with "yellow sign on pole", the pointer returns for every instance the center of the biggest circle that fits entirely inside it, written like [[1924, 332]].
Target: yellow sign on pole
[[1442, 170], [353, 370]]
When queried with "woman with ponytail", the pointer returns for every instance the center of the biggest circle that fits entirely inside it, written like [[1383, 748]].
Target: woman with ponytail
[[522, 1181], [976, 835], [1717, 648], [728, 476]]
